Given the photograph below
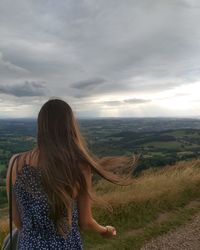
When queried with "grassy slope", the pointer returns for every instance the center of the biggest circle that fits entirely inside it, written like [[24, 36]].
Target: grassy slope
[[156, 202], [153, 204]]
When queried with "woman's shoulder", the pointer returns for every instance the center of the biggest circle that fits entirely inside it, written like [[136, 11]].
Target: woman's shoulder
[[13, 159], [13, 163], [21, 155], [20, 159]]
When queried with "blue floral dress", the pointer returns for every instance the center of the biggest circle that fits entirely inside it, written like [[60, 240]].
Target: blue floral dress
[[38, 231]]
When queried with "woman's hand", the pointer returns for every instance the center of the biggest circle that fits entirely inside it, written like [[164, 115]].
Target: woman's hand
[[110, 232]]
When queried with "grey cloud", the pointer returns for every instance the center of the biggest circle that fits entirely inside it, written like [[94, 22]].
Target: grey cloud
[[112, 103], [152, 39], [6, 65], [181, 94], [91, 83], [119, 47], [126, 101], [136, 101], [24, 89]]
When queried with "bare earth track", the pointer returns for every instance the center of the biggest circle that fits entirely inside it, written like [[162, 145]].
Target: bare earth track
[[186, 237]]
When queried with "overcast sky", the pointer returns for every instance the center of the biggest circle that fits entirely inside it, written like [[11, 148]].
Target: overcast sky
[[105, 58]]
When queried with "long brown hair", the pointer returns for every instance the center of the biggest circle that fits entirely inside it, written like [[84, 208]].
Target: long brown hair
[[63, 153]]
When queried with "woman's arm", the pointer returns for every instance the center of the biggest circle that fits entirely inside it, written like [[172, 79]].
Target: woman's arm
[[86, 220]]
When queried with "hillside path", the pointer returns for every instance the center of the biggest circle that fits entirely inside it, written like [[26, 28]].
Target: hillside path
[[186, 237]]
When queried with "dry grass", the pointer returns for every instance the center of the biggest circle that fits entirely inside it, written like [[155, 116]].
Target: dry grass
[[152, 184], [135, 207], [3, 229], [154, 203]]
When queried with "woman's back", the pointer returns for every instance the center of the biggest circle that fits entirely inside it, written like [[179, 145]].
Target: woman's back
[[63, 179], [38, 230]]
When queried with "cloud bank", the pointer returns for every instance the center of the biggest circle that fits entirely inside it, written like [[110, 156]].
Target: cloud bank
[[139, 53]]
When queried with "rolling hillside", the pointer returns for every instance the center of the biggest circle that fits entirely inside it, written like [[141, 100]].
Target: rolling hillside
[[156, 202]]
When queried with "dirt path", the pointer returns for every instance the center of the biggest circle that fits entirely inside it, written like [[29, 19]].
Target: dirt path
[[186, 237]]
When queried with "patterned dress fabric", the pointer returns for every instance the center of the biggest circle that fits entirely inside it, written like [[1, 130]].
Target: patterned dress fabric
[[38, 231]]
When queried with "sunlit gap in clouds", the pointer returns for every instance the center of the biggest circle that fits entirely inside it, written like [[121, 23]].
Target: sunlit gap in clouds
[[182, 101]]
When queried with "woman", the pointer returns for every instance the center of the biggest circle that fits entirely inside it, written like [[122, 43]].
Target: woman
[[52, 183]]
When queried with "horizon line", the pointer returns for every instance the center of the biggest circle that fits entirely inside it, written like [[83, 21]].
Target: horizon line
[[111, 117]]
